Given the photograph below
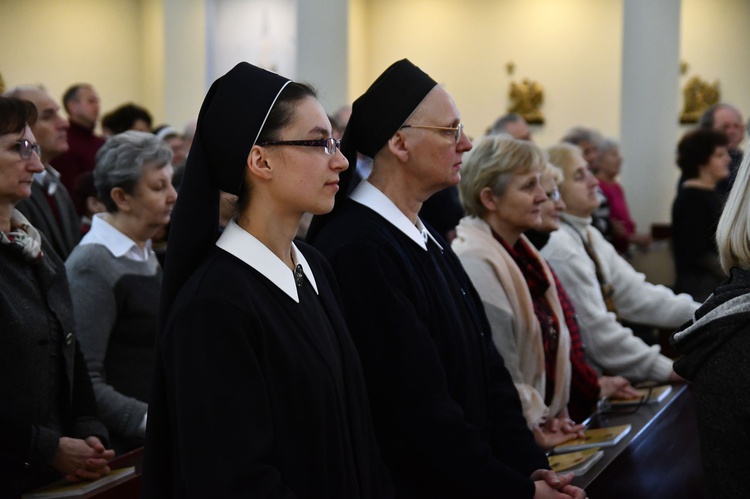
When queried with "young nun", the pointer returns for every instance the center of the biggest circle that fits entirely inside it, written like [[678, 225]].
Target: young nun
[[258, 389]]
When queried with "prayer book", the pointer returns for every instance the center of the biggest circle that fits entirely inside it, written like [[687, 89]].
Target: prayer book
[[577, 462], [83, 489], [599, 437], [647, 396]]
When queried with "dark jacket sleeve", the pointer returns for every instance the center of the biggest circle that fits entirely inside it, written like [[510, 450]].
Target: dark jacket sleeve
[[512, 441]]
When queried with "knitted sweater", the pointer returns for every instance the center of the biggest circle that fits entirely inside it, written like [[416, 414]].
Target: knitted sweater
[[116, 303], [611, 347]]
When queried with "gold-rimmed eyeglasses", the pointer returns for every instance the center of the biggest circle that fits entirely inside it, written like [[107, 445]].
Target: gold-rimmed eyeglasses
[[458, 129]]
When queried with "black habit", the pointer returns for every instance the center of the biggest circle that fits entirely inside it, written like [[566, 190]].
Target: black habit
[[258, 395], [446, 412]]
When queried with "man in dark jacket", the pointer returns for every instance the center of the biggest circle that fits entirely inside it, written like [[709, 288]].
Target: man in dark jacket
[[50, 208]]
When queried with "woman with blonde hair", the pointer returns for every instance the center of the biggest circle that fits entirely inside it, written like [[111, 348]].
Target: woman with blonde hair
[[714, 348], [604, 287], [586, 386], [502, 196]]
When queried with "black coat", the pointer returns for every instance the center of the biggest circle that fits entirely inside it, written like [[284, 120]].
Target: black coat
[[45, 389], [715, 350], [445, 409], [249, 401], [695, 215], [63, 236]]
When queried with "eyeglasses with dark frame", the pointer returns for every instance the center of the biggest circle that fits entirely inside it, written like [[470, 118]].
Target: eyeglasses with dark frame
[[329, 145], [458, 129], [24, 148]]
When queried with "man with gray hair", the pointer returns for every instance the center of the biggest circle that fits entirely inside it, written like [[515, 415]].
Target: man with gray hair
[[728, 119], [50, 208], [512, 124]]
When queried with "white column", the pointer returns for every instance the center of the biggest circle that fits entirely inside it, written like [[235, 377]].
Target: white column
[[184, 60], [322, 48], [650, 107]]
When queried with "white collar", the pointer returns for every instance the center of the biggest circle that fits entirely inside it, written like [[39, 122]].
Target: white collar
[[48, 179], [581, 224], [238, 242], [106, 234], [368, 195]]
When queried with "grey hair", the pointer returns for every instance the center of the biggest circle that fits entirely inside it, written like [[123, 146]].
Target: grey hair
[[120, 162], [579, 134], [707, 118], [21, 90], [501, 124], [606, 144]]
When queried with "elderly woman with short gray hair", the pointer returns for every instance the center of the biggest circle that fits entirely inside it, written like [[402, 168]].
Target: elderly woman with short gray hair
[[115, 279]]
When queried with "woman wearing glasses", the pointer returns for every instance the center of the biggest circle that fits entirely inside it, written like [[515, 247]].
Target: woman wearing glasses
[[48, 415], [502, 196], [258, 390], [115, 279], [586, 386]]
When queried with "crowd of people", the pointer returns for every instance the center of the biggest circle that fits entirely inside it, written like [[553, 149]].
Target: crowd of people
[[367, 304]]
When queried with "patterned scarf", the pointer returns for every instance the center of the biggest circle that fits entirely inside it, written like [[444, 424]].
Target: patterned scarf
[[23, 239], [536, 280]]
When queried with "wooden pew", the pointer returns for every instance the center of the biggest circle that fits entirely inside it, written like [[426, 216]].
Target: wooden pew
[[659, 458], [130, 488]]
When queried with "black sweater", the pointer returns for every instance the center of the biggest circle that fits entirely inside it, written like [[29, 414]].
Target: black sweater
[[446, 412]]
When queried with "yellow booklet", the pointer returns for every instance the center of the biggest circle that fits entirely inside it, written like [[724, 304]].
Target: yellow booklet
[[577, 462], [82, 489], [646, 396], [599, 437]]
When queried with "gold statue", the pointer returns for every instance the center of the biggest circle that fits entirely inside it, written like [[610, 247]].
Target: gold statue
[[526, 99], [699, 96]]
